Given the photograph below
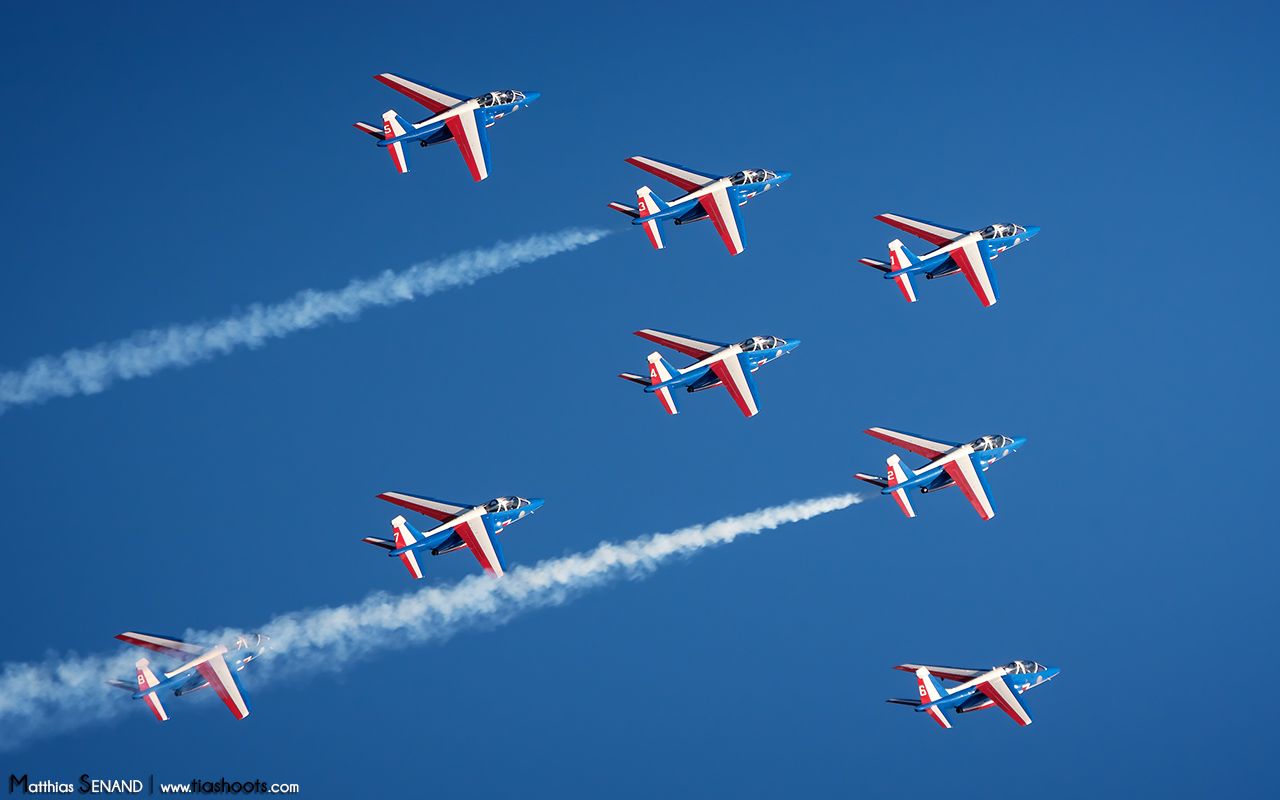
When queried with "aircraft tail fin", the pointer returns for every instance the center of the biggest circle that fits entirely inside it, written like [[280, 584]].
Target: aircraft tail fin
[[146, 680], [650, 204], [405, 536], [393, 125], [902, 262], [930, 691], [661, 372], [900, 473]]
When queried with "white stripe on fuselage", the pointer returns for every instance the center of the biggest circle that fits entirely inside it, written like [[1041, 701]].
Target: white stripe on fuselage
[[217, 651]]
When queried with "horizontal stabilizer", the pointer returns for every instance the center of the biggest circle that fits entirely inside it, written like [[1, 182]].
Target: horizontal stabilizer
[[628, 210], [630, 376], [903, 701], [385, 544], [862, 476], [880, 265], [372, 130]]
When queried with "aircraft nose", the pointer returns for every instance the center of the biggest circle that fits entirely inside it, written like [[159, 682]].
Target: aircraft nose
[[792, 344], [1051, 673], [1019, 441], [782, 176], [529, 97], [1032, 231], [535, 504]]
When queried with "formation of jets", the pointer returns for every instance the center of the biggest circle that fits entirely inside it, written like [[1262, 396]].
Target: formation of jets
[[1001, 687], [464, 120]]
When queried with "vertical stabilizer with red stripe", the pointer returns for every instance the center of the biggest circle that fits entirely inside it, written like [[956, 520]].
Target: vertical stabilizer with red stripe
[[931, 691], [649, 204], [661, 372], [393, 126], [901, 473], [146, 680], [404, 538], [900, 258]]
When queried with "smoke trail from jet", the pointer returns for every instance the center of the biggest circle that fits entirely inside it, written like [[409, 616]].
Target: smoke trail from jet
[[92, 370], [67, 692]]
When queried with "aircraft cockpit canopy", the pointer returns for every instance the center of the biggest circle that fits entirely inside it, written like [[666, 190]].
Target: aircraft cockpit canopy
[[761, 343], [251, 641], [1023, 667], [504, 504], [991, 442], [1002, 230], [500, 98], [752, 176]]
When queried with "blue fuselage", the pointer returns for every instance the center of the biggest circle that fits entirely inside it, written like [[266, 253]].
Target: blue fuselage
[[702, 377], [684, 211], [438, 132]]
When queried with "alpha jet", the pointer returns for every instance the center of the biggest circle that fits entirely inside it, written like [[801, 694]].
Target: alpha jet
[[970, 252], [715, 196], [978, 689], [719, 364], [455, 117], [950, 464], [474, 527], [202, 666]]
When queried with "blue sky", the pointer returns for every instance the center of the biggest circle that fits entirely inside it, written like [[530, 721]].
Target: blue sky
[[171, 166]]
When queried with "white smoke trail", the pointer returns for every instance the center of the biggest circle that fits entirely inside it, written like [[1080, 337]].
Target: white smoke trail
[[67, 692], [92, 370]]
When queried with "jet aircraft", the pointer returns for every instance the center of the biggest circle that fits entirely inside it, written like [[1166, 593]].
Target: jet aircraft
[[474, 527], [718, 364], [970, 252], [950, 464], [202, 666], [979, 688], [714, 196], [455, 117]]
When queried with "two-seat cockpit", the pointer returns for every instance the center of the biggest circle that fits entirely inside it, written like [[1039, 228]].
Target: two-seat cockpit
[[505, 504], [991, 443], [1002, 230], [1023, 667], [752, 176], [249, 647], [761, 343], [500, 98]]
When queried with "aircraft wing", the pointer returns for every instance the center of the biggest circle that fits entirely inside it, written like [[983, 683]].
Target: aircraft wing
[[436, 509], [694, 348], [973, 481], [1008, 701], [977, 269], [481, 536], [432, 97], [183, 651], [959, 674], [740, 384], [227, 684], [929, 448], [727, 216], [929, 231], [688, 179], [469, 132]]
